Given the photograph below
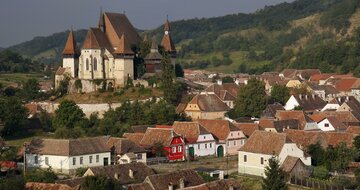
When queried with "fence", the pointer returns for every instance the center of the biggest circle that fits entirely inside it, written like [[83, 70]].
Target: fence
[[304, 182], [156, 160]]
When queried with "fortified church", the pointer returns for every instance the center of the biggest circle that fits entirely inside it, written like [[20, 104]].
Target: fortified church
[[106, 54]]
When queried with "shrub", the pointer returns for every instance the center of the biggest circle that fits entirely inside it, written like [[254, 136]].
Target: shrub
[[321, 172]]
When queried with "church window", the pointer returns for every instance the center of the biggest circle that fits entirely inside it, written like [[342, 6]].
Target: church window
[[95, 64], [87, 64]]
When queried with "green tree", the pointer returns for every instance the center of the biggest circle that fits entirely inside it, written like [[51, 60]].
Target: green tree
[[40, 175], [31, 89], [12, 182], [78, 85], [100, 182], [13, 114], [227, 79], [167, 76], [67, 115], [317, 154], [280, 93], [179, 72], [275, 177], [251, 99], [321, 172]]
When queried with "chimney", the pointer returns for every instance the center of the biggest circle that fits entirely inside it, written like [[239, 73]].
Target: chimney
[[171, 187], [181, 183], [116, 176], [131, 173], [300, 96], [219, 82], [347, 98], [313, 96], [231, 187]]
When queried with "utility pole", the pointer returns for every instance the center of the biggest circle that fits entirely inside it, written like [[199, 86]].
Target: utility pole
[[25, 147]]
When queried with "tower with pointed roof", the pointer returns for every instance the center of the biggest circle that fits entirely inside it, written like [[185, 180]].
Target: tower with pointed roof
[[71, 55], [124, 61], [153, 59], [167, 42]]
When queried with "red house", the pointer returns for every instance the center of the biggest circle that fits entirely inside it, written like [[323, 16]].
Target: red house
[[173, 144]]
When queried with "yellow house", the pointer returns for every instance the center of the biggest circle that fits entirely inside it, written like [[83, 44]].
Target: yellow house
[[254, 156], [293, 83], [206, 106]]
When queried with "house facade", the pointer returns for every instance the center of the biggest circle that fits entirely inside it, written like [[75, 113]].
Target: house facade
[[199, 141], [65, 156], [173, 144], [124, 151], [254, 156]]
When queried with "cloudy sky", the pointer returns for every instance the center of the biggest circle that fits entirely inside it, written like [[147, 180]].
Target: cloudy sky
[[21, 20]]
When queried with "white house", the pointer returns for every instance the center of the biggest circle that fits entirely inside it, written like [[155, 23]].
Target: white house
[[229, 137], [254, 156], [331, 124], [199, 141], [67, 155], [306, 102]]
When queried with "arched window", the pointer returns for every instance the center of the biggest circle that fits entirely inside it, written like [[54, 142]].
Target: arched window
[[95, 64], [87, 64]]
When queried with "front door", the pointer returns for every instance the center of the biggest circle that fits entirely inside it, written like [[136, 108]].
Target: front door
[[220, 151], [106, 161], [191, 153]]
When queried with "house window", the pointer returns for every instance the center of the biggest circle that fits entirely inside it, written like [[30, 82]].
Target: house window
[[210, 145], [326, 125], [245, 158], [74, 161], [81, 160], [179, 148], [90, 159], [205, 145], [231, 134], [87, 64], [139, 156], [97, 158], [173, 149], [235, 143], [36, 160], [95, 64], [262, 161], [47, 160], [204, 137], [198, 146]]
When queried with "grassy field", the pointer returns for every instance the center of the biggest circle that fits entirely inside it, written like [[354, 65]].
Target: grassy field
[[113, 97], [9, 78]]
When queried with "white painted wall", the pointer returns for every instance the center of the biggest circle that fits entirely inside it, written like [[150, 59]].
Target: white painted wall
[[235, 140], [204, 146], [64, 164], [291, 103], [291, 149], [322, 125], [330, 107], [311, 126]]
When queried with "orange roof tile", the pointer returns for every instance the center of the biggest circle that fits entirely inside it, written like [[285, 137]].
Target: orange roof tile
[[123, 48], [71, 47], [345, 84], [219, 128], [247, 128]]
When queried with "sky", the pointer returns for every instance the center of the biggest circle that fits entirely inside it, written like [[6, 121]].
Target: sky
[[22, 20]]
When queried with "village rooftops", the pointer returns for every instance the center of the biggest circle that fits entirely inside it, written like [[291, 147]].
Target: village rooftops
[[189, 130], [68, 147], [122, 146], [185, 178], [124, 173], [219, 128], [302, 118], [247, 128], [209, 103], [262, 142], [158, 135]]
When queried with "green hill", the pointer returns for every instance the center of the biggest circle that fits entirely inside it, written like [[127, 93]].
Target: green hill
[[302, 34]]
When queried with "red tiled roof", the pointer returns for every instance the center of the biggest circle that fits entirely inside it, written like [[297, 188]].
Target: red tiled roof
[[263, 142], [353, 130], [71, 46], [298, 115], [189, 130], [247, 128], [134, 137], [345, 85], [219, 128]]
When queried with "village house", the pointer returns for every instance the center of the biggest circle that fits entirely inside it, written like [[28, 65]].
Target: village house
[[328, 123], [271, 110], [321, 79], [166, 138], [254, 156], [124, 151], [305, 122], [229, 138], [125, 174], [346, 117], [344, 85], [325, 92], [304, 74], [335, 103], [206, 106], [169, 181], [227, 92], [305, 138], [247, 128], [294, 167], [199, 141], [67, 155], [308, 103]]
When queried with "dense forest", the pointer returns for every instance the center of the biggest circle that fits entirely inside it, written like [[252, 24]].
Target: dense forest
[[302, 34], [15, 63]]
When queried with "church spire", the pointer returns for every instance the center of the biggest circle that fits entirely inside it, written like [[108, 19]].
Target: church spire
[[123, 47], [101, 23], [71, 48], [167, 42]]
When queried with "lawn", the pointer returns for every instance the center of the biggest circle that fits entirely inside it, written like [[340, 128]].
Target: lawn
[[9, 78], [114, 97]]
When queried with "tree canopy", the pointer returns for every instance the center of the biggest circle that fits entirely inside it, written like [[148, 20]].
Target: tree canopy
[[275, 177]]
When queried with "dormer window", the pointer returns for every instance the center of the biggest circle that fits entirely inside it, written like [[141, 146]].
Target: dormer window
[[326, 125]]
